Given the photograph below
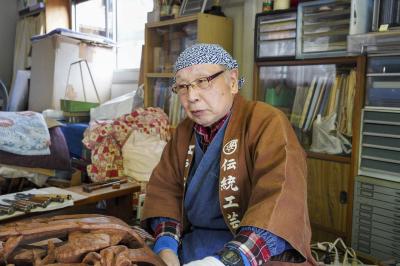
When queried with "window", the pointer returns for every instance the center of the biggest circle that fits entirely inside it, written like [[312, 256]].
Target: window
[[120, 20]]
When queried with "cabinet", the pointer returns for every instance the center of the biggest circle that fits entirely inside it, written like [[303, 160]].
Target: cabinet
[[380, 144], [383, 81], [376, 219], [304, 89], [323, 26], [164, 41], [275, 34]]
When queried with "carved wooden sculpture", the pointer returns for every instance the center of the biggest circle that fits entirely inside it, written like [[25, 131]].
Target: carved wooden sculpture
[[74, 240]]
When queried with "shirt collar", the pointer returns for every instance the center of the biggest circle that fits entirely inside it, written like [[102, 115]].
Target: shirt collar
[[208, 133]]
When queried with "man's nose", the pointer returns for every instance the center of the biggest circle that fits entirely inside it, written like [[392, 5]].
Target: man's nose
[[193, 93]]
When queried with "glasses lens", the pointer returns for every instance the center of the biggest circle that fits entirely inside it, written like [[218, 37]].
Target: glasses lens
[[179, 88], [202, 83]]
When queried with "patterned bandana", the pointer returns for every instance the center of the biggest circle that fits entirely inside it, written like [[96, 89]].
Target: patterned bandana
[[203, 53]]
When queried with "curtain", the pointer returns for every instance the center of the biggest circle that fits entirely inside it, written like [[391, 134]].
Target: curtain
[[26, 28]]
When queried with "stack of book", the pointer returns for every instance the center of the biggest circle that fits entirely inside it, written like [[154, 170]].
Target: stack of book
[[325, 95]]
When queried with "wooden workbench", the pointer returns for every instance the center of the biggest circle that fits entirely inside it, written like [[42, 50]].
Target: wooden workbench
[[118, 203]]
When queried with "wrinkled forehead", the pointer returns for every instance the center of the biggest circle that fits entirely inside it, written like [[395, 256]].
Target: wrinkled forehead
[[190, 73]]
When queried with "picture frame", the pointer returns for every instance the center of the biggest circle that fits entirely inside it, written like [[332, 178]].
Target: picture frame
[[190, 7]]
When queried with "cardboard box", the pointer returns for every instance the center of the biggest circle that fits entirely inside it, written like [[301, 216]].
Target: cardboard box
[[51, 59]]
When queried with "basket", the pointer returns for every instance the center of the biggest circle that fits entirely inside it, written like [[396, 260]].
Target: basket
[[79, 106], [76, 106]]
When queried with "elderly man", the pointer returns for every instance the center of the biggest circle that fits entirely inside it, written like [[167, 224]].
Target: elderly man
[[230, 188]]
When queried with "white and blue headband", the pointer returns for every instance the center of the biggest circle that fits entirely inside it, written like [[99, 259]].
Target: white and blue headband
[[203, 53]]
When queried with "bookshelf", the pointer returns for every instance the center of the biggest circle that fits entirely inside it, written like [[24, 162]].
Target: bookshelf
[[164, 41], [302, 89]]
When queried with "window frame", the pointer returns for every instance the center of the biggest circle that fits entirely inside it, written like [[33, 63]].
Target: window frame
[[115, 30]]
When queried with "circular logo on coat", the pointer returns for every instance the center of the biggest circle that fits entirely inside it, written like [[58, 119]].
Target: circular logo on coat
[[230, 147]]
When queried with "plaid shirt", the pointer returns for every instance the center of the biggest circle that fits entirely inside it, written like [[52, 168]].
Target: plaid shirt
[[168, 227], [252, 246], [207, 134], [255, 247]]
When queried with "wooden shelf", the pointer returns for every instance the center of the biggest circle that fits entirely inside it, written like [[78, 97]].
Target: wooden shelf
[[159, 75], [173, 21], [329, 157]]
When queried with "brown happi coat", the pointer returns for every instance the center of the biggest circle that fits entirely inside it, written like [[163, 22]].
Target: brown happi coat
[[262, 176]]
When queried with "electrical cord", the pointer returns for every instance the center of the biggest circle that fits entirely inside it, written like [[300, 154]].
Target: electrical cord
[[331, 251]]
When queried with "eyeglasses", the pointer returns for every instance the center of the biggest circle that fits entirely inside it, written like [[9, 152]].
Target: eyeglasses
[[201, 83]]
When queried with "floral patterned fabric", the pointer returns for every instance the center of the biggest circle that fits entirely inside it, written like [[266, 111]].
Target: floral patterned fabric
[[24, 133], [106, 138]]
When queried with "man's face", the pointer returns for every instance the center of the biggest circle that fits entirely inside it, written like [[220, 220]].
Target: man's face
[[205, 105]]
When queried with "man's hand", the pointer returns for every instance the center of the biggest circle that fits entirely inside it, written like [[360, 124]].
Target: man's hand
[[169, 257]]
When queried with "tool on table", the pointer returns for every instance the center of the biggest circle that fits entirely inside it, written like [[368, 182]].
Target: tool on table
[[6, 209], [45, 197], [17, 205], [43, 202], [114, 183]]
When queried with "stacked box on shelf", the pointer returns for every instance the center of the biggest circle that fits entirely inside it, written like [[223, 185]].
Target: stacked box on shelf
[[376, 221], [323, 26], [275, 35]]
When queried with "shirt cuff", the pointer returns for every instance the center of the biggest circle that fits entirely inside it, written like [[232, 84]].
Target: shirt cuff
[[166, 227], [252, 247], [166, 242], [275, 244]]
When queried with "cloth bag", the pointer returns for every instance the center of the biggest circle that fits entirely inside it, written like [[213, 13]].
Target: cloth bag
[[141, 153], [325, 137]]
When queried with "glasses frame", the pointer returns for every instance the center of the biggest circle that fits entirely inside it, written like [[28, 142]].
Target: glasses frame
[[193, 83]]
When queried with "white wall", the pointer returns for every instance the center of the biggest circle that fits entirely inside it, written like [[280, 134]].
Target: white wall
[[8, 20], [243, 13]]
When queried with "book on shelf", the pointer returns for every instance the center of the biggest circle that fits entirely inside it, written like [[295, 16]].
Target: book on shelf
[[341, 101], [307, 102], [332, 96], [325, 96], [298, 103], [346, 115], [161, 94], [324, 102], [176, 112], [316, 99]]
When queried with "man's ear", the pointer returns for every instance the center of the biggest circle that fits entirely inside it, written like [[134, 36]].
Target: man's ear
[[233, 80]]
